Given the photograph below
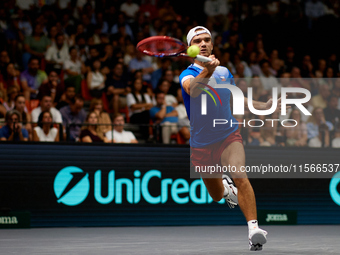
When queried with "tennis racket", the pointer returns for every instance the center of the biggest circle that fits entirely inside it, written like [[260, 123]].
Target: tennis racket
[[165, 46]]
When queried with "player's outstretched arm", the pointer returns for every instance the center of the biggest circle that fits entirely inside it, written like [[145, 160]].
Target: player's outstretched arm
[[191, 87], [265, 105]]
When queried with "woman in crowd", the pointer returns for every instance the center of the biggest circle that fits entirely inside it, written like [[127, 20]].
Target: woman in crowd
[[11, 77], [96, 80], [89, 134], [139, 104], [20, 106], [104, 120], [12, 92], [45, 132]]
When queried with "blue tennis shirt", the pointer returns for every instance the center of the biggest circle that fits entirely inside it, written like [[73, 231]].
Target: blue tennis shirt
[[202, 130]]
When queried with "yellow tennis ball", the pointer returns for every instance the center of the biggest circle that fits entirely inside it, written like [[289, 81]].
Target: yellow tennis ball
[[193, 51]]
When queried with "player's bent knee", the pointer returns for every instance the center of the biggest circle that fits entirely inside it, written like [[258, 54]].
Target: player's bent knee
[[238, 175], [240, 182]]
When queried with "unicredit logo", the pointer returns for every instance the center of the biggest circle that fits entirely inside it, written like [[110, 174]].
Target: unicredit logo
[[72, 186]]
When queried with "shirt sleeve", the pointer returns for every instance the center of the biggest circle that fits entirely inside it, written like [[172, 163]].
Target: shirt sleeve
[[108, 134], [24, 132], [131, 136], [153, 112], [130, 100], [57, 116]]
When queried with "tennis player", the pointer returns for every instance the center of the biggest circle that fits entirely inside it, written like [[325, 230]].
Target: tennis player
[[221, 144]]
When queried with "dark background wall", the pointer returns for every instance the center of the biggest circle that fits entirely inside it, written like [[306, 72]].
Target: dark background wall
[[28, 173]]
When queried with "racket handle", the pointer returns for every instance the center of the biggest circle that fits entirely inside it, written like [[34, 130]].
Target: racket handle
[[203, 59]]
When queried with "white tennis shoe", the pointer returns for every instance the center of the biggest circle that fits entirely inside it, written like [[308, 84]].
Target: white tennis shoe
[[257, 238], [231, 197]]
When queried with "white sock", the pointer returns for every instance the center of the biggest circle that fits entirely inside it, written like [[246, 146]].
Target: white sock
[[252, 224]]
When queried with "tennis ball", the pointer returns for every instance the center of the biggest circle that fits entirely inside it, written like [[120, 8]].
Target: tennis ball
[[193, 51]]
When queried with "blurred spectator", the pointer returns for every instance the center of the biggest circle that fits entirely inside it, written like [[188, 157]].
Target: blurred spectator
[[296, 135], [318, 129], [322, 65], [130, 53], [108, 59], [243, 85], [130, 10], [166, 116], [332, 114], [314, 9], [320, 100], [73, 117], [121, 27], [12, 93], [267, 79], [4, 61], [290, 60], [104, 121], [234, 29], [297, 81], [149, 9], [118, 134], [54, 87], [217, 11], [24, 23], [35, 45], [74, 68], [307, 67], [14, 36], [52, 33], [336, 139], [242, 70], [25, 4], [93, 55], [67, 97], [45, 132], [183, 120], [116, 86], [20, 106], [57, 54], [165, 64], [13, 130], [96, 80], [139, 63], [268, 133], [259, 94], [233, 46], [2, 110], [139, 104], [169, 76], [254, 64], [104, 26], [46, 104], [336, 90], [32, 79], [334, 64], [164, 86], [166, 12], [11, 77], [89, 134]]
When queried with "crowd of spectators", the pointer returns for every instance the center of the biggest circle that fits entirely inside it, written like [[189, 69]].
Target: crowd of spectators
[[58, 55]]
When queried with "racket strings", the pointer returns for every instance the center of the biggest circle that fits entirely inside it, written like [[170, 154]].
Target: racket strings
[[162, 48]]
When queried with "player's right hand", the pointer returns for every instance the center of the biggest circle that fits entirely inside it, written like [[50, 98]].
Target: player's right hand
[[211, 66]]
